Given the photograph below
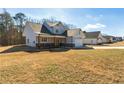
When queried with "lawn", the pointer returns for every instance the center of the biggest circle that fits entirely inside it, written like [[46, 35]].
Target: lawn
[[121, 43], [25, 65]]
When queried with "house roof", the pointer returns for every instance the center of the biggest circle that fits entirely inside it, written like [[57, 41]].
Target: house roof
[[107, 36], [52, 24], [92, 34], [42, 29], [35, 26]]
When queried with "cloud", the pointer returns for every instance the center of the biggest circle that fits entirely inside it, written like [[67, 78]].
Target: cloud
[[94, 26], [96, 18]]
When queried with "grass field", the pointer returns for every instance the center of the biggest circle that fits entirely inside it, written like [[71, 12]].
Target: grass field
[[22, 65], [121, 43]]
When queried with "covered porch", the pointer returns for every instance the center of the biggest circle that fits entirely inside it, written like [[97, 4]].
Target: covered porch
[[51, 41]]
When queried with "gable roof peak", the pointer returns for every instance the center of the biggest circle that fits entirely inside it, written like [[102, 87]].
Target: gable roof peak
[[36, 27], [52, 24]]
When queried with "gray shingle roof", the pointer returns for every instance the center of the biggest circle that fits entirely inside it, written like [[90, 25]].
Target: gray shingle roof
[[107, 36], [52, 24], [47, 31], [92, 34], [40, 28]]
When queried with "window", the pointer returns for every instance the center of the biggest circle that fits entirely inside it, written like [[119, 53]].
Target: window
[[44, 39], [27, 40], [57, 31]]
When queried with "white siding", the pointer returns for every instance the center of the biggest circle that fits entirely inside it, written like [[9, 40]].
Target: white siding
[[30, 36], [78, 42], [90, 41], [75, 37], [104, 40]]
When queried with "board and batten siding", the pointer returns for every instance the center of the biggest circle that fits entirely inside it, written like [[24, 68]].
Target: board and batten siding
[[90, 41], [75, 37], [30, 36]]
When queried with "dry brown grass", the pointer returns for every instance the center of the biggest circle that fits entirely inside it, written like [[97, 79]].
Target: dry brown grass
[[121, 43], [73, 66]]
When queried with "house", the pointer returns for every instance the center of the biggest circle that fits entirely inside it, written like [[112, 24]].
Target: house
[[93, 38], [108, 39], [75, 36], [44, 34], [118, 38], [48, 34]]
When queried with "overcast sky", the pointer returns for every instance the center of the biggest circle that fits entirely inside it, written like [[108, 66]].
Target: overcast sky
[[107, 20]]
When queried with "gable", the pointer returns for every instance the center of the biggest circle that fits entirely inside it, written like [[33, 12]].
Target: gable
[[44, 29], [35, 26], [74, 32], [53, 29], [27, 30]]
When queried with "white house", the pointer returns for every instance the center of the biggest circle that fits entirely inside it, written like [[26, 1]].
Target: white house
[[108, 39], [51, 34], [93, 38]]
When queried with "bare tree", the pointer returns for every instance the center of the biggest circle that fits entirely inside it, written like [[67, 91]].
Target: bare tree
[[6, 24], [20, 19]]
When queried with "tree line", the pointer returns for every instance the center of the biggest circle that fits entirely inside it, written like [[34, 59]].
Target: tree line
[[12, 27]]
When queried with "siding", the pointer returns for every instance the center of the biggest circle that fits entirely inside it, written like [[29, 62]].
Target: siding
[[90, 41], [30, 36]]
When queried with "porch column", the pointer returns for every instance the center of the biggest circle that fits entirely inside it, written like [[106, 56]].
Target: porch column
[[38, 41]]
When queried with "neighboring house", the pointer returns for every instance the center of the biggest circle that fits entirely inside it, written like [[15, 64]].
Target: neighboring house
[[118, 38], [108, 39], [75, 36], [47, 35], [93, 38]]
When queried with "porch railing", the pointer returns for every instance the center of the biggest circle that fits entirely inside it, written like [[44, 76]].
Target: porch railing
[[53, 45]]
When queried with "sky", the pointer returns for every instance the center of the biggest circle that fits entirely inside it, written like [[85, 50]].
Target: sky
[[107, 20]]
